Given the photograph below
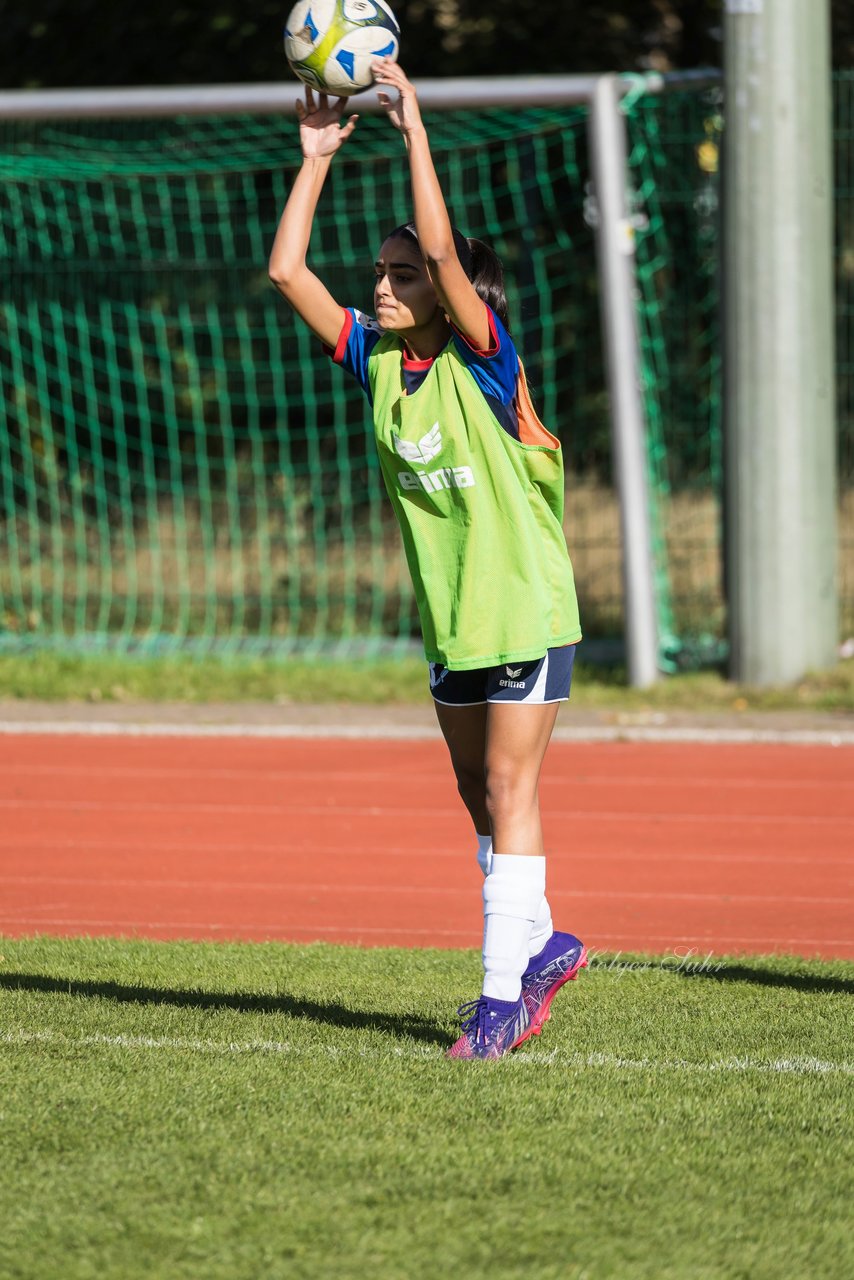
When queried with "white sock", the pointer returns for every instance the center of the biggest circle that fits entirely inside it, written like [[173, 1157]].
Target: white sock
[[484, 853], [512, 893], [543, 926]]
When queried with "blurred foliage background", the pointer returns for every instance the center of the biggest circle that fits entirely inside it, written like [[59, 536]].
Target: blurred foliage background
[[53, 44]]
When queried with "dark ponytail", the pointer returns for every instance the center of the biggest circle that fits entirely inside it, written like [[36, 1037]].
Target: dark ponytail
[[480, 263]]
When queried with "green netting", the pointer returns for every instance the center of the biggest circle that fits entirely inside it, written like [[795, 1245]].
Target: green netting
[[674, 160], [180, 466]]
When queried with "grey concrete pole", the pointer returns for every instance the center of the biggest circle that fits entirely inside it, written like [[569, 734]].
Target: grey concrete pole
[[615, 249], [779, 367]]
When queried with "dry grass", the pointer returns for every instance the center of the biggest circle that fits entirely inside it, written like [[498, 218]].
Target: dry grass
[[688, 523], [294, 569]]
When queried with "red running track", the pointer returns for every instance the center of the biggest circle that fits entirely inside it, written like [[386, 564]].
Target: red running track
[[654, 846]]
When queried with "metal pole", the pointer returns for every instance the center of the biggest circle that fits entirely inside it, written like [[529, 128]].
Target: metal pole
[[213, 99], [274, 96], [615, 246], [779, 369]]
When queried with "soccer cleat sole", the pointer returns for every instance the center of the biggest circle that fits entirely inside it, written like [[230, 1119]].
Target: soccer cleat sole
[[544, 1012]]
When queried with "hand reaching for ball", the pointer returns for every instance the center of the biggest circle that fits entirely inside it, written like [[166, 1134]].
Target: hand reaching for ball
[[320, 130], [403, 111]]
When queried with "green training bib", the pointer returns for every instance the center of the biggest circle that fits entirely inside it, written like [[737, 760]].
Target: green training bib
[[480, 514]]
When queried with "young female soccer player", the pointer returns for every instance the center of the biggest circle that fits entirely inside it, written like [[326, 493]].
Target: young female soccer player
[[476, 482]]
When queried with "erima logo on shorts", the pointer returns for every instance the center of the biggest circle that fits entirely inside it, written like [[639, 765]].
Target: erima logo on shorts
[[514, 683], [427, 448], [434, 678]]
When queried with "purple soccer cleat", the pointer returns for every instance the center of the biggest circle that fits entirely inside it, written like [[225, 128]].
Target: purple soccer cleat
[[491, 1028], [560, 961]]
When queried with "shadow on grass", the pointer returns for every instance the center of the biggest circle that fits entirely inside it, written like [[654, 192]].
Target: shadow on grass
[[766, 978], [337, 1015], [698, 968]]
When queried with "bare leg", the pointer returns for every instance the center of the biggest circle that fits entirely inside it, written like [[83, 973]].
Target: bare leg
[[464, 730], [497, 752], [516, 741]]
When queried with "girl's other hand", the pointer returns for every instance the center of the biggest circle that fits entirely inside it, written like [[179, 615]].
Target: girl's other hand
[[403, 111], [320, 129]]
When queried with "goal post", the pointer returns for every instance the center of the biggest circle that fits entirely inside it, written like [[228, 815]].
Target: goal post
[[779, 325], [117, 396]]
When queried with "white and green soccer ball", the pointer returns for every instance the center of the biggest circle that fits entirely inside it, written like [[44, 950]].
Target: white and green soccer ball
[[330, 44]]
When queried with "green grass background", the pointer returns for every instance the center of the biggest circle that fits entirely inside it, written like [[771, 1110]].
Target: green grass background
[[259, 1110], [403, 680]]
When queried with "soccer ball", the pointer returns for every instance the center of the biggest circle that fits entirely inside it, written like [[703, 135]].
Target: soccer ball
[[330, 44]]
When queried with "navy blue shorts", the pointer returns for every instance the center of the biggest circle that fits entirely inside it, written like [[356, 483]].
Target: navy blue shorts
[[545, 679]]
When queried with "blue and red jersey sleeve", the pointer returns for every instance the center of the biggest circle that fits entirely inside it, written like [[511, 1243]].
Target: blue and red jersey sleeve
[[357, 339], [495, 370]]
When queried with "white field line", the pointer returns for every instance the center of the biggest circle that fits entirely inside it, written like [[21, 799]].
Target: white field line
[[328, 777], [589, 733], [737, 1064], [404, 812], [291, 886], [271, 932], [353, 934], [122, 847]]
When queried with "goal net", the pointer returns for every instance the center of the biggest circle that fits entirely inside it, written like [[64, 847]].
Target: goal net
[[181, 466]]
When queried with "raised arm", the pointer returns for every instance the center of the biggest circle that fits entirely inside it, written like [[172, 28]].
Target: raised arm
[[432, 224], [321, 135]]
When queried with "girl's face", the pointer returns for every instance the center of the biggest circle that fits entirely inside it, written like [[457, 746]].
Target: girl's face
[[404, 297]]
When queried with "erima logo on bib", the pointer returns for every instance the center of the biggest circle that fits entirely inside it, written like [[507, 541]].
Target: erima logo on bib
[[427, 448], [433, 481]]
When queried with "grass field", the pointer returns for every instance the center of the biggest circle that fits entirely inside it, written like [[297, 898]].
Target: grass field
[[109, 678], [247, 1111]]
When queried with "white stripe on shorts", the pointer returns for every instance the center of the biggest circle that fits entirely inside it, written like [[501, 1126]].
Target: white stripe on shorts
[[538, 693]]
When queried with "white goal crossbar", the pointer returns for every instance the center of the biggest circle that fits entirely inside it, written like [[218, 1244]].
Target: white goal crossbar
[[228, 99]]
